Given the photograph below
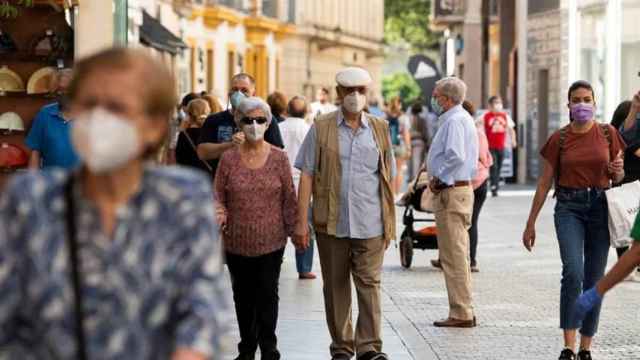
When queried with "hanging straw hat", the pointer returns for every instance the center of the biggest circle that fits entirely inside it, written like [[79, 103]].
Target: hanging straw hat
[[10, 81]]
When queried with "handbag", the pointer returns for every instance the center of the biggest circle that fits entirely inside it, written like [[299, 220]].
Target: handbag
[[76, 280], [623, 202]]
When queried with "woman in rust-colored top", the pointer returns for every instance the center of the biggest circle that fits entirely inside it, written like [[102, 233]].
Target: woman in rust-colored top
[[583, 158], [257, 213]]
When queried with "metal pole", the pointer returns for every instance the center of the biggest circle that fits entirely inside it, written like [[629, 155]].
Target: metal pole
[[485, 52]]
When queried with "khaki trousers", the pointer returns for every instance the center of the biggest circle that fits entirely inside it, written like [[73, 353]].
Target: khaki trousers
[[341, 259], [453, 208]]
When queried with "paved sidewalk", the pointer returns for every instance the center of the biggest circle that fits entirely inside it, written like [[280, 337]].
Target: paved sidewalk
[[516, 297], [302, 330]]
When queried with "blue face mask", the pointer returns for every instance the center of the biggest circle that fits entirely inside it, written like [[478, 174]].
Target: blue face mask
[[436, 107], [236, 98]]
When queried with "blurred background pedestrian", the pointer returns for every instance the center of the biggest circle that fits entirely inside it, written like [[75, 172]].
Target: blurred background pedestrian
[[186, 152], [420, 139], [294, 129], [323, 104], [214, 103], [499, 128], [399, 125], [278, 103]]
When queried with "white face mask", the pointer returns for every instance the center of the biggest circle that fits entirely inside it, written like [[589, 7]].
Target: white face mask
[[255, 131], [354, 102], [498, 107], [104, 141]]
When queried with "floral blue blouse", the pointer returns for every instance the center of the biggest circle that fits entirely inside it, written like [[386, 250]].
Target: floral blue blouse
[[156, 285]]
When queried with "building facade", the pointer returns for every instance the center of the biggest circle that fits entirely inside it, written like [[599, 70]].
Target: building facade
[[330, 35], [530, 51], [569, 40]]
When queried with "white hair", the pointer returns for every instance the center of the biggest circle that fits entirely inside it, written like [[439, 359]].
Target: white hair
[[249, 104], [453, 88]]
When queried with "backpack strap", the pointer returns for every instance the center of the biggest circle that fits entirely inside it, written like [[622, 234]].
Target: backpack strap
[[563, 139], [607, 133]]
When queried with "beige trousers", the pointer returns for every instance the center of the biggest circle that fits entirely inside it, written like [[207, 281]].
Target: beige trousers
[[343, 259], [453, 208]]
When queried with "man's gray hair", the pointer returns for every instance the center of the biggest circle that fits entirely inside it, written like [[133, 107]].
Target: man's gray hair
[[249, 104], [453, 88]]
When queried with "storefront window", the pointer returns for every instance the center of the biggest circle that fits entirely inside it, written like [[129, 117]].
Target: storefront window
[[593, 51], [630, 56]]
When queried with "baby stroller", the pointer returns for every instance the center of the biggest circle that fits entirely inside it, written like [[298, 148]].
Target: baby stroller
[[412, 237]]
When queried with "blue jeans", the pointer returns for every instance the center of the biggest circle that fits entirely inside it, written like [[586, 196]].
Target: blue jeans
[[304, 260], [583, 236]]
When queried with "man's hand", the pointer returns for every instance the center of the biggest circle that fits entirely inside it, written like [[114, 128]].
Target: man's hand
[[529, 237], [186, 354], [300, 237], [585, 303], [238, 138], [617, 165]]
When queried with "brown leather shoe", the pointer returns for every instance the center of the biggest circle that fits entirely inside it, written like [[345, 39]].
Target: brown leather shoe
[[436, 264], [451, 322]]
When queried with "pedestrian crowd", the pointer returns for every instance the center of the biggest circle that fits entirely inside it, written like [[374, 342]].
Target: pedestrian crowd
[[105, 254]]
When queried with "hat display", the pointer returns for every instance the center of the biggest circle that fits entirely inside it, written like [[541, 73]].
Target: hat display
[[7, 45], [10, 81], [13, 156], [11, 121], [50, 45], [40, 81], [353, 77]]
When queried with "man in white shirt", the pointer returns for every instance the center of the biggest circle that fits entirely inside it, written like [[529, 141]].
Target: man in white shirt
[[322, 105], [294, 129]]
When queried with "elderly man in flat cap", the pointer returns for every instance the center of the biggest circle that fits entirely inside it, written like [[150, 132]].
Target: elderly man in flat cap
[[347, 165]]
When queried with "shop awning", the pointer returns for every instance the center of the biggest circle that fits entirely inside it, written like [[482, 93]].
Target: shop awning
[[154, 34]]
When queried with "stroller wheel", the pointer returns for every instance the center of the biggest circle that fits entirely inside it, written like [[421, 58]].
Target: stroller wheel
[[406, 250]]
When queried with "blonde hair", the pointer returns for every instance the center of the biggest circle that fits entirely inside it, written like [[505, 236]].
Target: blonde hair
[[198, 110], [395, 106], [214, 103]]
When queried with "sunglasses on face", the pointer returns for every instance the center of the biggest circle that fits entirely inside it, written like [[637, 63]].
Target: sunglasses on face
[[249, 120]]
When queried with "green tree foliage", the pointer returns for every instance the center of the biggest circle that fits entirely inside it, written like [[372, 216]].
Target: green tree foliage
[[9, 8], [407, 21], [400, 84]]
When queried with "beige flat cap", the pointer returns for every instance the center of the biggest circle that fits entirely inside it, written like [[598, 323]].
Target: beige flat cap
[[353, 77]]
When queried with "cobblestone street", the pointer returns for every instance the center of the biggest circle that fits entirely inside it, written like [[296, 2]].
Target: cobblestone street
[[516, 297]]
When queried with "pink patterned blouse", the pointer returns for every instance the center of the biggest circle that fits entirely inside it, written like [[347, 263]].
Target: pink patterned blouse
[[261, 203]]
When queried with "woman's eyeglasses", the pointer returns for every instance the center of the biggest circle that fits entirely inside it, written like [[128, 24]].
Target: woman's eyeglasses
[[249, 120]]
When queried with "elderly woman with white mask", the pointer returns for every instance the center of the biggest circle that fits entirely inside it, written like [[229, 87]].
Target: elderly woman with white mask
[[118, 259], [257, 212]]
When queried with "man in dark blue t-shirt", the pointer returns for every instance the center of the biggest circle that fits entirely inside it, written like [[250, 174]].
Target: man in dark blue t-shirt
[[220, 131]]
